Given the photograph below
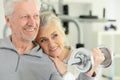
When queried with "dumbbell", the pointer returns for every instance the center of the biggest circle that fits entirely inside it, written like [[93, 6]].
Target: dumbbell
[[83, 61]]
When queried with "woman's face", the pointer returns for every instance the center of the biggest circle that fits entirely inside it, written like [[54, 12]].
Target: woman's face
[[51, 39]]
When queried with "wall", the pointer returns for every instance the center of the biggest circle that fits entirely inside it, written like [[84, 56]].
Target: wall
[[2, 20]]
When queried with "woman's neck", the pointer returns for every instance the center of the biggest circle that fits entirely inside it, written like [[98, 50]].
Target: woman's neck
[[65, 54]]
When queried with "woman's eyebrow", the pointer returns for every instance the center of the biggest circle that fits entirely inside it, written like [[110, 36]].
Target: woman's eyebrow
[[54, 32]]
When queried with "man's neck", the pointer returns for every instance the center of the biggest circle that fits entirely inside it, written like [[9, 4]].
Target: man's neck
[[22, 46]]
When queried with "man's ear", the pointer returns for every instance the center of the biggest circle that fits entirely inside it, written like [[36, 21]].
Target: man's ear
[[7, 19]]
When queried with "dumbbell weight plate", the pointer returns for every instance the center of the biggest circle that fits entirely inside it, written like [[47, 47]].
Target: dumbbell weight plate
[[108, 56]]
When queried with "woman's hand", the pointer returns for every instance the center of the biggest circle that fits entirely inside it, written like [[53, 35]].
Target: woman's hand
[[62, 69], [98, 58]]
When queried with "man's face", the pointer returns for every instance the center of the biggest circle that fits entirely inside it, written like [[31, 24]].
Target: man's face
[[24, 21]]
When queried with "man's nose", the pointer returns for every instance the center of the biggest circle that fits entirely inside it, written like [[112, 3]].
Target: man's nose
[[31, 20]]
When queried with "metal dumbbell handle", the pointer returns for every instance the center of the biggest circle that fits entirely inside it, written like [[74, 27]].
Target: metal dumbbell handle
[[81, 59]]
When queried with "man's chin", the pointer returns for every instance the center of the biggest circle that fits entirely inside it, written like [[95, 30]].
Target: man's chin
[[29, 38]]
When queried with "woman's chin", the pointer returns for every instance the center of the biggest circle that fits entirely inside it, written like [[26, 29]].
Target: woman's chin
[[54, 56]]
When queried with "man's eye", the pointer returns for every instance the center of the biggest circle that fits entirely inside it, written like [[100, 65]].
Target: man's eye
[[24, 16], [36, 16]]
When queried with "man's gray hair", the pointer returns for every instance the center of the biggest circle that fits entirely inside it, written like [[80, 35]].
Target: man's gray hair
[[10, 4]]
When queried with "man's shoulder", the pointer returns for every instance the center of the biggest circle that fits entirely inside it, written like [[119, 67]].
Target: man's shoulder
[[3, 41]]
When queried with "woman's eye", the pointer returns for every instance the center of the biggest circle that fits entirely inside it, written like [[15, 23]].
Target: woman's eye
[[55, 35], [43, 40]]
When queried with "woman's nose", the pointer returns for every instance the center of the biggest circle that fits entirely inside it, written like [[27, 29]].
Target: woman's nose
[[51, 43]]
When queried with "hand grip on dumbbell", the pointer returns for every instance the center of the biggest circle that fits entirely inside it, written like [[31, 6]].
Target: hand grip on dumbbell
[[83, 60]]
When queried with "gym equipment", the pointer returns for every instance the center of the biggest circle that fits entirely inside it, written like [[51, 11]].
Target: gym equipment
[[83, 61]]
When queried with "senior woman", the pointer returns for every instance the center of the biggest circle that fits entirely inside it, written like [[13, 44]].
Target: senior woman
[[51, 38]]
